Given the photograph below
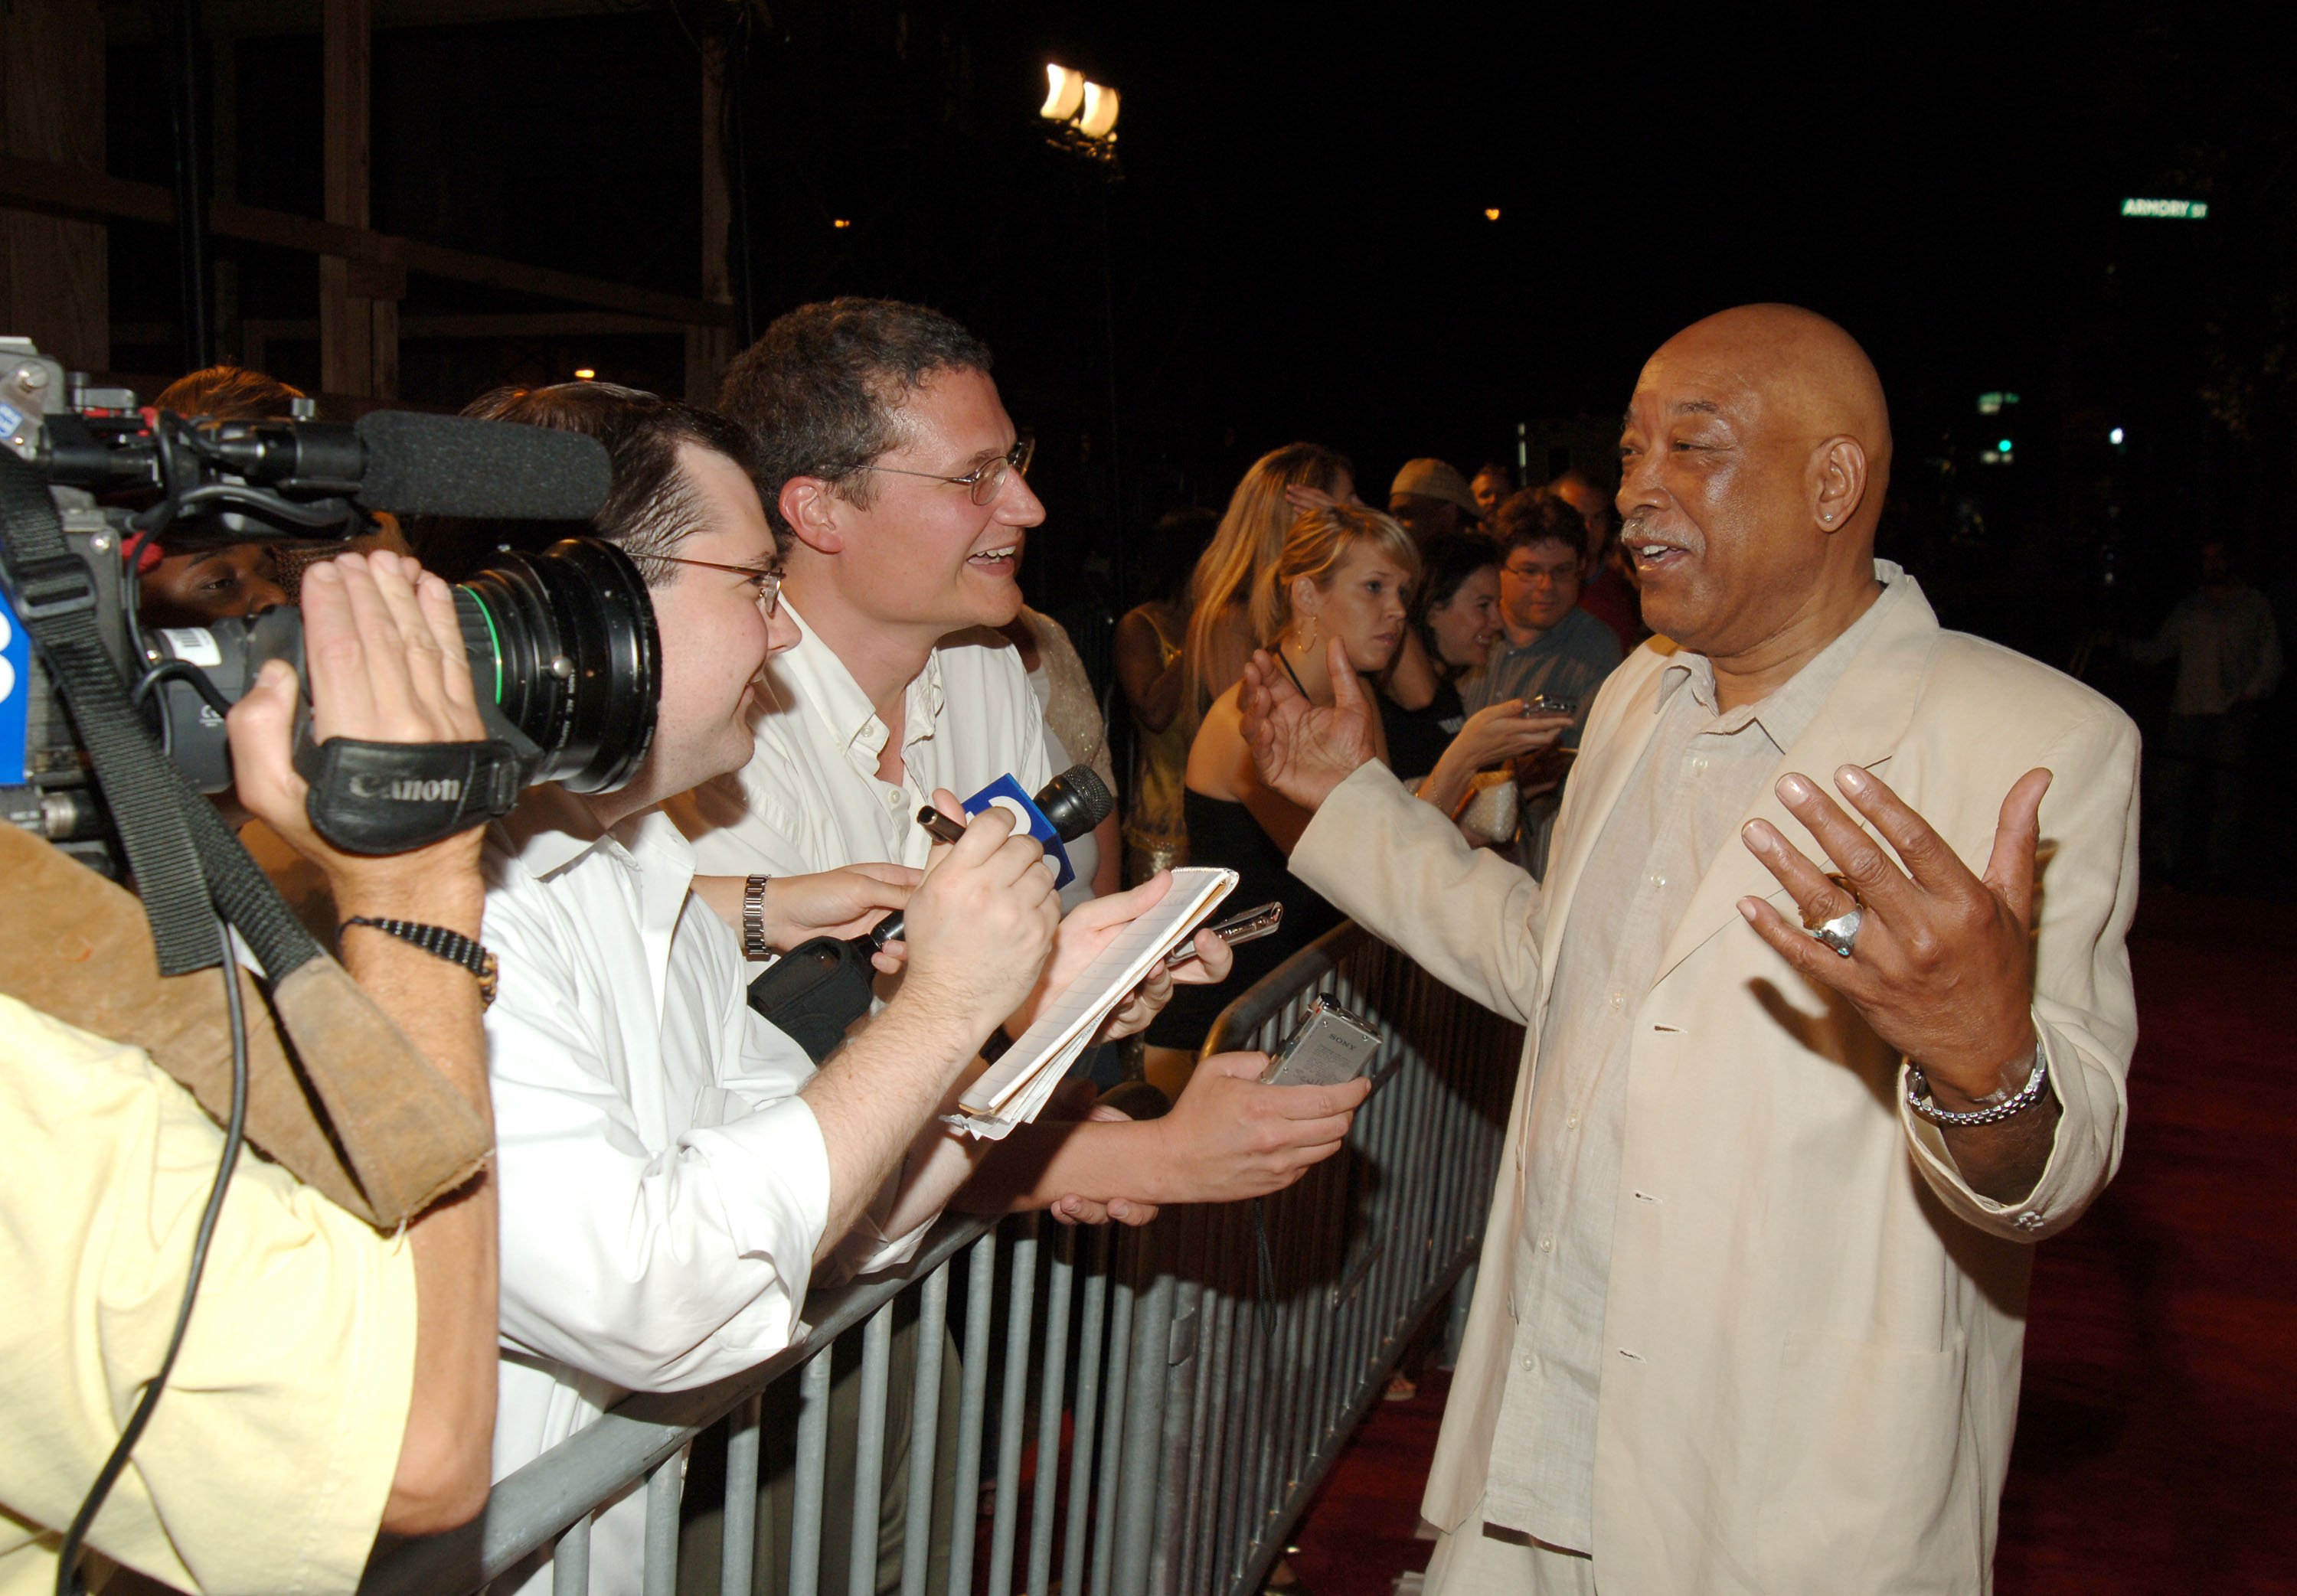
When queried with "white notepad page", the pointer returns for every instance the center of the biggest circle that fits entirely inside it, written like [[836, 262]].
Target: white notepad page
[[1058, 1034]]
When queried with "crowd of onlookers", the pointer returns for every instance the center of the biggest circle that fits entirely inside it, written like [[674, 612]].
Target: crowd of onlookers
[[1481, 615]]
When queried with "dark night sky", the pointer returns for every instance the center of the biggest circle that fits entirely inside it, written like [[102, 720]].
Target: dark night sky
[[1942, 189], [1298, 247]]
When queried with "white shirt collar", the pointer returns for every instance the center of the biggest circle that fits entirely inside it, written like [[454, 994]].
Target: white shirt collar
[[552, 829], [827, 691]]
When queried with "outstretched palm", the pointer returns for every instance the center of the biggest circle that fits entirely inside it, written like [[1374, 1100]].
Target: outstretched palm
[[1304, 750]]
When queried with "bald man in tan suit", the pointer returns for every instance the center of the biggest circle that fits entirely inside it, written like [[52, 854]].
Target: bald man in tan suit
[[1752, 1296]]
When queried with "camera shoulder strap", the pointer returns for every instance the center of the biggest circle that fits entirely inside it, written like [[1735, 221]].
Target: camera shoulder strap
[[187, 862], [55, 598]]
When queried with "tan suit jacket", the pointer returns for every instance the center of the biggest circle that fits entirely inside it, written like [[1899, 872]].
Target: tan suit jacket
[[1814, 1327]]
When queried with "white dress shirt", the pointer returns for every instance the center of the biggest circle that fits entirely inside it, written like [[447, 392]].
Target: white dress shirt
[[663, 1186], [810, 798]]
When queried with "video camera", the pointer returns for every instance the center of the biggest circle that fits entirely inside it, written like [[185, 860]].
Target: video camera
[[563, 645]]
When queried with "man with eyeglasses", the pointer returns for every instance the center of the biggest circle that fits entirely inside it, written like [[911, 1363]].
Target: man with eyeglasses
[[674, 1172], [897, 483], [898, 480], [1549, 647]]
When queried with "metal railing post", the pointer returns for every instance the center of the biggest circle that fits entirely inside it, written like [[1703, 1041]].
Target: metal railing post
[[870, 1454], [813, 1465], [1144, 1413], [973, 1409]]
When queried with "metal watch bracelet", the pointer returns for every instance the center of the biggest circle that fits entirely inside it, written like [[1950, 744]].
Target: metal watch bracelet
[[754, 919], [1918, 1098]]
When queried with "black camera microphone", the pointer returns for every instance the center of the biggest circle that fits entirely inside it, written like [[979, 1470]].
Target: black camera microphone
[[419, 465], [1073, 803], [817, 989], [233, 481]]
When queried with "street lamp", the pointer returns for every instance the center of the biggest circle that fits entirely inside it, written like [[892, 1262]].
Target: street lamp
[[1098, 119], [1085, 113], [1064, 94]]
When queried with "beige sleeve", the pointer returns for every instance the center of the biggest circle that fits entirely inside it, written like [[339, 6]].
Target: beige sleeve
[[270, 1456], [1401, 870], [2085, 1002]]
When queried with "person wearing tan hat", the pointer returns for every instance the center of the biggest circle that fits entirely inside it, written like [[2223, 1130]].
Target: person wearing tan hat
[[1430, 497]]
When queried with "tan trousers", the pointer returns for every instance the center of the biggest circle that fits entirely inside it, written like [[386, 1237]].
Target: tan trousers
[[1471, 1562]]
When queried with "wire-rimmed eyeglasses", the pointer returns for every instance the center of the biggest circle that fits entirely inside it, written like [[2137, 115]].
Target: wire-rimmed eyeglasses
[[982, 483], [765, 585]]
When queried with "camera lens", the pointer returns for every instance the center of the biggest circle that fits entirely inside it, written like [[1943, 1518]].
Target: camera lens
[[565, 643]]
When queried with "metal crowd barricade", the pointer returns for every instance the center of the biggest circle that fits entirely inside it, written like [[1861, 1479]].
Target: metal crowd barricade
[[1173, 1409]]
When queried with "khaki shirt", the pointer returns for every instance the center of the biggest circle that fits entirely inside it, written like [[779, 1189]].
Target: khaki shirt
[[1700, 772], [268, 1459]]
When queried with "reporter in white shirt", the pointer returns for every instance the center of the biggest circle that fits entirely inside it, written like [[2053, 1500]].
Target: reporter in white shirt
[[899, 484], [672, 1168]]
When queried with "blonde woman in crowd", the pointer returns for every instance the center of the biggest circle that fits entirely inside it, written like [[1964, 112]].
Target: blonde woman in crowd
[[1281, 485], [1343, 574]]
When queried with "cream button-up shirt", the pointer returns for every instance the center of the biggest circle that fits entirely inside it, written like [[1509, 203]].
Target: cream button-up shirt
[[1700, 771], [663, 1185], [810, 798]]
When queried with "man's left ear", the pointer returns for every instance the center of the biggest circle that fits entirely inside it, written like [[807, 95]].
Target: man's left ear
[[1838, 482]]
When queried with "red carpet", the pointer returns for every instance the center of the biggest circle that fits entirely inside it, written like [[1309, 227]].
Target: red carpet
[[2157, 1440]]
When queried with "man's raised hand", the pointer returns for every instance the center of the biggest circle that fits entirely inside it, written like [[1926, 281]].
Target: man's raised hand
[[1943, 964], [1302, 751]]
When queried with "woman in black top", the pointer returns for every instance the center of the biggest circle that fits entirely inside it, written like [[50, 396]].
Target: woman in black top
[[1438, 748], [1456, 614], [1335, 598]]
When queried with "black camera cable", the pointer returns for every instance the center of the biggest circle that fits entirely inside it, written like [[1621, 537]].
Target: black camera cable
[[68, 1572]]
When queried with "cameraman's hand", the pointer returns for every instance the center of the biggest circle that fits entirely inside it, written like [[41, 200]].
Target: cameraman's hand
[[388, 664], [1230, 1137], [980, 925]]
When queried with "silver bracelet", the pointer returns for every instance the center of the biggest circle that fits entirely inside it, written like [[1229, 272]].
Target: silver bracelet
[[1918, 1098], [754, 919]]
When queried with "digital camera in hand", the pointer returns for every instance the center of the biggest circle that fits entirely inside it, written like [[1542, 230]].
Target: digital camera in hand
[[564, 650]]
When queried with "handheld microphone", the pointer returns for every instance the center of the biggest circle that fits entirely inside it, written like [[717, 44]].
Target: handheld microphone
[[1074, 802], [817, 989]]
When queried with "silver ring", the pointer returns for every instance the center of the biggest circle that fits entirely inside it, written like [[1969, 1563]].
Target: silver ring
[[1840, 933]]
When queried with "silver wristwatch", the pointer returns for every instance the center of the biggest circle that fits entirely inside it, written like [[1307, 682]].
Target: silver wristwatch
[[1991, 1110], [754, 919]]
